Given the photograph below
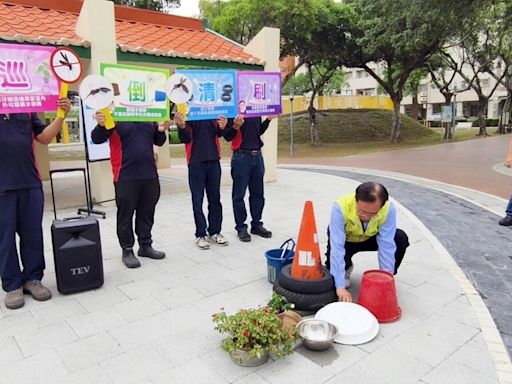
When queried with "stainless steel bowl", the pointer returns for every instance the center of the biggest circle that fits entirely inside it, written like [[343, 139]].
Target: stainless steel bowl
[[317, 334]]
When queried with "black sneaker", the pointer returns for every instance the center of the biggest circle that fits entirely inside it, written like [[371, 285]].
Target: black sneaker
[[506, 221], [148, 251], [244, 236], [261, 231], [129, 258]]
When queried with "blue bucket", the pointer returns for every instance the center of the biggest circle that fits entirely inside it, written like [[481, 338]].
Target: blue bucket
[[278, 258]]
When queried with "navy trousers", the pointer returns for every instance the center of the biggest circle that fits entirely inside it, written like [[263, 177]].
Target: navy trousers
[[21, 212], [247, 171], [205, 176]]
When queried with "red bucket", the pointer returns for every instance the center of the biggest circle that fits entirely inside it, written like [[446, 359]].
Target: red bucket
[[378, 295]]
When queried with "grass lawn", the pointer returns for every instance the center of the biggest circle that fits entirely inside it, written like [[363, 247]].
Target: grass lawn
[[342, 133]]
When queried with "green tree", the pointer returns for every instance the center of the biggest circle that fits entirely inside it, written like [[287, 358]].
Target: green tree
[[483, 49], [239, 20], [154, 5], [401, 35]]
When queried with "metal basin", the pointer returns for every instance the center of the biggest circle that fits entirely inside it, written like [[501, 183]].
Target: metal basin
[[316, 334]]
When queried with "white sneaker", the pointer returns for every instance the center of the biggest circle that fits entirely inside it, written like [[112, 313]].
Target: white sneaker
[[202, 242], [348, 273], [219, 239]]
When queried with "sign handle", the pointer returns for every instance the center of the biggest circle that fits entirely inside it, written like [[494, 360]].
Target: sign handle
[[183, 109], [109, 121], [63, 93]]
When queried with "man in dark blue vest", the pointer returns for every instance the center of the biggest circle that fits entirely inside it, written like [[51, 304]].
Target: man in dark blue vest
[[22, 203], [247, 171], [136, 184]]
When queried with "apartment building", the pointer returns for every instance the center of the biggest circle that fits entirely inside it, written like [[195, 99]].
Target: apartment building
[[359, 82]]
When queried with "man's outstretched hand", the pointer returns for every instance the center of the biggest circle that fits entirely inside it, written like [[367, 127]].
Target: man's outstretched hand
[[344, 295]]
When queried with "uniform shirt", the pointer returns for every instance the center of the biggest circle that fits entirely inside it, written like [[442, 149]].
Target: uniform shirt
[[385, 241], [248, 136], [131, 149], [18, 166], [201, 139]]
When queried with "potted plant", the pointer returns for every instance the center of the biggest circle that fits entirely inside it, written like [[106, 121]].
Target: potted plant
[[253, 334], [279, 303], [283, 308]]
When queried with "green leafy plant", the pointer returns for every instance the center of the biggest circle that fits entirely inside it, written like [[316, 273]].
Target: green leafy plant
[[279, 303], [255, 331]]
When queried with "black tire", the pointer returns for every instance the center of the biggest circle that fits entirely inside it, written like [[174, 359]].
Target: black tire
[[326, 283], [306, 302]]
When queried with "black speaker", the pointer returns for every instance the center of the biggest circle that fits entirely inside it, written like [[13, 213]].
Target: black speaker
[[77, 254]]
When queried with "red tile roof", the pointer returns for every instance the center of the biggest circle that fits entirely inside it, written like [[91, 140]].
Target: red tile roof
[[153, 33]]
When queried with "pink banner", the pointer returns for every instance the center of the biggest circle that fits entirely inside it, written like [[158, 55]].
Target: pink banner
[[27, 83]]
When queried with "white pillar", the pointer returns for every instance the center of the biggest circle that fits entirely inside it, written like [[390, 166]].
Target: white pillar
[[96, 23], [265, 46]]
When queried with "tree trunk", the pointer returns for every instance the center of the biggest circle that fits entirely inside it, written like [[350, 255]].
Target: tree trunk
[[448, 131], [415, 108], [504, 118], [395, 131], [313, 124], [481, 117]]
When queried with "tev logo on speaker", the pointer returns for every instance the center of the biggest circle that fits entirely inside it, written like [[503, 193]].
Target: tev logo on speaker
[[80, 270]]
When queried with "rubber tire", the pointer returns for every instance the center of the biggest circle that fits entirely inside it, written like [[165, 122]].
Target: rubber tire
[[306, 302], [326, 283]]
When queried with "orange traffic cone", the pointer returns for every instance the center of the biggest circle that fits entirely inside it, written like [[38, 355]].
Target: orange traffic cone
[[306, 263]]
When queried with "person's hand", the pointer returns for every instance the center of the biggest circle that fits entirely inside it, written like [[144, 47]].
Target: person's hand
[[179, 119], [344, 295], [508, 163], [238, 122], [222, 121], [271, 117], [164, 125], [64, 104], [100, 118]]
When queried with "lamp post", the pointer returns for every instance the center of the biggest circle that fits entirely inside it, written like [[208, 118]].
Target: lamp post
[[292, 94]]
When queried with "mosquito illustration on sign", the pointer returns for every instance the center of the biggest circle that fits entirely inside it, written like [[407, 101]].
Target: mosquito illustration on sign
[[66, 66], [97, 93], [179, 90]]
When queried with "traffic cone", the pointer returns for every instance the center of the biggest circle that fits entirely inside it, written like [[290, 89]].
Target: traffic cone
[[306, 263]]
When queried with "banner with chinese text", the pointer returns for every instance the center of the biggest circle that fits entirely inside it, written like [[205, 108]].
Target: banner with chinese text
[[213, 94], [259, 93], [27, 83], [139, 92]]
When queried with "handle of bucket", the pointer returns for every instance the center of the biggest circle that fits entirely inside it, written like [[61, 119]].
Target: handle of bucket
[[285, 248]]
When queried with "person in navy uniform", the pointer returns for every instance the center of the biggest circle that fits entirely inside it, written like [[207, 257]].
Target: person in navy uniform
[[136, 184], [201, 139], [22, 203], [247, 171]]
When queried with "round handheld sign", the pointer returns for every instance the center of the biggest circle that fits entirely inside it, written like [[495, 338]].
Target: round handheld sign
[[97, 93], [179, 88], [66, 65]]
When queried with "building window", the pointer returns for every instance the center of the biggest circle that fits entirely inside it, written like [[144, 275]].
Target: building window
[[484, 83]]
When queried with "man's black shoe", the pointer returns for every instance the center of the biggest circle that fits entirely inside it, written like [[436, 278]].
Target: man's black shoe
[[506, 221], [129, 258], [148, 251], [244, 236], [261, 231]]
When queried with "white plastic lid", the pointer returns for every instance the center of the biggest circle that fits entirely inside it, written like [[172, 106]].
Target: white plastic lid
[[356, 325]]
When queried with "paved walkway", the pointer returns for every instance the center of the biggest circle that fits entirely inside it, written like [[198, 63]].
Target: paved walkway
[[153, 325], [468, 163], [469, 233]]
